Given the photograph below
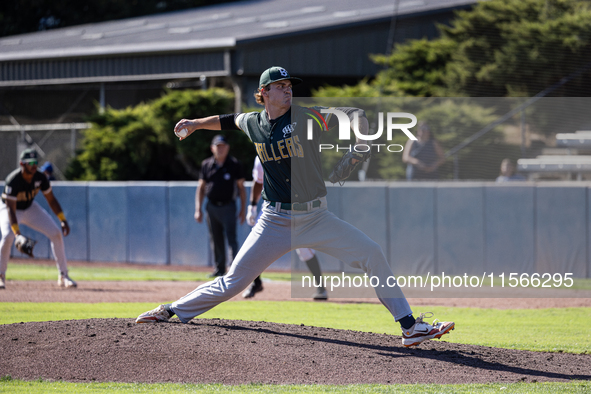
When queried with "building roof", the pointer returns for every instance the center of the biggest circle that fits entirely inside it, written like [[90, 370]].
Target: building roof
[[201, 29]]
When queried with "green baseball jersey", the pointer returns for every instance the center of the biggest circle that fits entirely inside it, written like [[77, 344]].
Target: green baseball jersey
[[16, 188], [291, 161]]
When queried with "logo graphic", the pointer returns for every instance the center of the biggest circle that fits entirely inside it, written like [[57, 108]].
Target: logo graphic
[[37, 184], [319, 120], [289, 129], [346, 124], [283, 72]]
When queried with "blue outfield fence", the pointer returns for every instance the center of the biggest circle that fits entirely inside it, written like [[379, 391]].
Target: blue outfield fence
[[451, 227]]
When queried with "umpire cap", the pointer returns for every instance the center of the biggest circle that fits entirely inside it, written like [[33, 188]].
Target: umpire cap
[[219, 139], [28, 155], [275, 74]]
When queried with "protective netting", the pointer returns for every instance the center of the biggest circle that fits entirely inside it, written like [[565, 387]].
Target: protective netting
[[475, 135]]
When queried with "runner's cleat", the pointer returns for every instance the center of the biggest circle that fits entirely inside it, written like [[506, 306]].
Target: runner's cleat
[[65, 281], [320, 294]]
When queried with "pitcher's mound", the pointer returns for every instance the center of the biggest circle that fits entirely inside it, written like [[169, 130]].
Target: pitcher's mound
[[236, 352]]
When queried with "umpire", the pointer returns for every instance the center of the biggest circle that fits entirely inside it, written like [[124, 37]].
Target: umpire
[[220, 180]]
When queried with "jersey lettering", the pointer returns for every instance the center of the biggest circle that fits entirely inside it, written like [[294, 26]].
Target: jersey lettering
[[299, 148], [27, 196], [282, 149], [290, 147], [275, 157]]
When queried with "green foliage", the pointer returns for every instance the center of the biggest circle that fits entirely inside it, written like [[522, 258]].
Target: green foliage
[[498, 48], [519, 47], [362, 89], [138, 143], [416, 68]]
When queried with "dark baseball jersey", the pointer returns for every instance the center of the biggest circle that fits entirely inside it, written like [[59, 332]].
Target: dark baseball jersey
[[16, 188], [220, 182], [293, 172]]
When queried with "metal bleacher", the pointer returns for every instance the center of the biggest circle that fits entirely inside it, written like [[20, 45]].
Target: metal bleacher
[[571, 162]]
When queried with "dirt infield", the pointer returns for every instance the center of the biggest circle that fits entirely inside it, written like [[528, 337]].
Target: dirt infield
[[236, 352]]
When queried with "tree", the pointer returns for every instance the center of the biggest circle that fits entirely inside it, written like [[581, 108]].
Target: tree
[[138, 143], [415, 69], [499, 48], [519, 48]]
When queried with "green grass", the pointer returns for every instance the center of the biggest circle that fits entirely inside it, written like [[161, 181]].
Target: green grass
[[8, 385], [33, 272], [551, 330]]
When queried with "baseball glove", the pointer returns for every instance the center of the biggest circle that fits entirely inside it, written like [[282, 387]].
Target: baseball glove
[[25, 245], [343, 169]]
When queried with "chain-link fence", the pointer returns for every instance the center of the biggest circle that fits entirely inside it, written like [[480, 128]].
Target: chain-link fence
[[56, 143]]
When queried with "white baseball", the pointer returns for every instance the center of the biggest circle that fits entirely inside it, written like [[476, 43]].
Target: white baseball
[[182, 133]]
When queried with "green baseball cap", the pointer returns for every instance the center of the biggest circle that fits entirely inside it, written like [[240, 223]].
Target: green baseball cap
[[28, 156], [275, 74]]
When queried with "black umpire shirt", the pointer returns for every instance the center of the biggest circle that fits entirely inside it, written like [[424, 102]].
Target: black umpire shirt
[[220, 182]]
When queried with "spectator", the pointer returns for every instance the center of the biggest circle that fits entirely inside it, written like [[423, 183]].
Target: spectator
[[221, 179], [508, 172], [47, 169], [424, 156]]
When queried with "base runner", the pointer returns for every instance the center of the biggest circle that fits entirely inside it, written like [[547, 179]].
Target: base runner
[[294, 213], [18, 206]]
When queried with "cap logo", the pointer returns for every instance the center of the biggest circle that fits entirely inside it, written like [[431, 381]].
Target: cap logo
[[283, 72]]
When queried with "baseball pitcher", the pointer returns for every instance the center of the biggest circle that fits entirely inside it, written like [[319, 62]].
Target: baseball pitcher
[[295, 213]]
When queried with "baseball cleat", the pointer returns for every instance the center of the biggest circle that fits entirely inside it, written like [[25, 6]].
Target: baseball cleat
[[320, 294], [154, 316], [2, 284], [252, 290], [65, 281], [422, 331]]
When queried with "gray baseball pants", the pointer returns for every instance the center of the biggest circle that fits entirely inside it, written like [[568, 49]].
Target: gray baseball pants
[[38, 219], [276, 233]]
